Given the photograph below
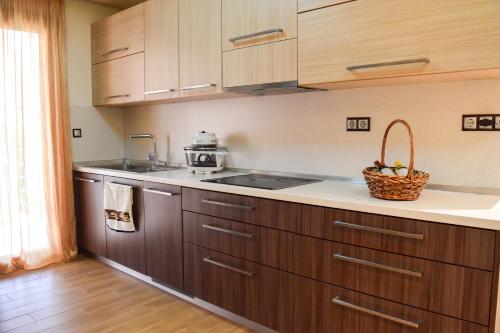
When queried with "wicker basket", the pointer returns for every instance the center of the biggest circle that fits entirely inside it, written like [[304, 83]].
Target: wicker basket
[[393, 187]]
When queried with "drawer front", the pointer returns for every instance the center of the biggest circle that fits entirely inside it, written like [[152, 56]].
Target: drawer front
[[118, 35], [324, 308], [359, 41], [425, 284], [452, 244], [118, 81], [306, 5], [129, 248], [246, 23], [268, 63], [264, 212], [262, 245], [256, 292]]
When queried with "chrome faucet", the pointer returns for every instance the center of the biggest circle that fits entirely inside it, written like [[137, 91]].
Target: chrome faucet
[[153, 157]]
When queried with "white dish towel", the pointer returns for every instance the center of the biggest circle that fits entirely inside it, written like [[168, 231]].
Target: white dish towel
[[118, 200]]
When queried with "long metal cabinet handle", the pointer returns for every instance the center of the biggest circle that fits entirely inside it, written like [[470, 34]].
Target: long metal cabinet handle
[[115, 50], [340, 302], [389, 63], [227, 231], [117, 96], [378, 230], [339, 256], [255, 34], [225, 204], [231, 268], [86, 180], [150, 190], [158, 91], [199, 86]]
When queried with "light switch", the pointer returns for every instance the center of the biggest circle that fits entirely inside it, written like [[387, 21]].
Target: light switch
[[77, 132]]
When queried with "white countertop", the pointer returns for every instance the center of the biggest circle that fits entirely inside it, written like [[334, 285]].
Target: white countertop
[[474, 210]]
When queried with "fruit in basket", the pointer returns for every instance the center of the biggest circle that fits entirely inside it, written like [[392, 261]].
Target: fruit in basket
[[388, 170]]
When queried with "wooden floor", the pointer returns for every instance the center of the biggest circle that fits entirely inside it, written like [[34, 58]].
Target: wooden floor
[[88, 296]]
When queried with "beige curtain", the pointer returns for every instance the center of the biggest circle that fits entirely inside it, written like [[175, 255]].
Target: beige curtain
[[37, 225]]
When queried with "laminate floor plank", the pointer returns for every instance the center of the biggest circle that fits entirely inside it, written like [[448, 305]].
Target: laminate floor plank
[[86, 295]]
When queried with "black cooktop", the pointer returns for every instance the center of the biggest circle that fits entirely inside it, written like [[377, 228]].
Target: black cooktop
[[267, 182]]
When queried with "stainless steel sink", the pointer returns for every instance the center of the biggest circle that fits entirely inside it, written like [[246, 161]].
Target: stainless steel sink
[[134, 167]]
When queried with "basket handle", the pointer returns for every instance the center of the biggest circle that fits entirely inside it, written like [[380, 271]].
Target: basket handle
[[412, 148]]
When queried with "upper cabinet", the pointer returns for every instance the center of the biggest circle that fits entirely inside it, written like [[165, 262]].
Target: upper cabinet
[[246, 23], [161, 49], [200, 47], [358, 43], [118, 35]]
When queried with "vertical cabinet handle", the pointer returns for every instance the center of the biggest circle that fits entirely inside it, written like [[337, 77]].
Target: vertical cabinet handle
[[378, 230], [231, 268], [355, 307]]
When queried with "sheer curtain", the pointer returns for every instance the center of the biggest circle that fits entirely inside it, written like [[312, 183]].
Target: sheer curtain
[[36, 196]]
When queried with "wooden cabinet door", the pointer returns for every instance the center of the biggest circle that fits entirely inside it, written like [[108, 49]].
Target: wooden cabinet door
[[118, 81], [129, 248], [258, 244], [456, 291], [91, 226], [259, 293], [323, 308], [246, 23], [267, 63], [372, 39], [200, 47], [118, 35], [161, 49], [163, 227]]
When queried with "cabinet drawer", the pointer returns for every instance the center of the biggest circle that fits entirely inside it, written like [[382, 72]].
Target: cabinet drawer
[[263, 245], [246, 23], [264, 212], [323, 308], [129, 248], [118, 81], [118, 35], [425, 284], [268, 63], [306, 5], [452, 244], [359, 41], [256, 292]]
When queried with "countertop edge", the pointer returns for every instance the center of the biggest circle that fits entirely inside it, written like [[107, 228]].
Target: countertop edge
[[365, 207]]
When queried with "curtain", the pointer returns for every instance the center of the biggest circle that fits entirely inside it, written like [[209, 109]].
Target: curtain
[[37, 224]]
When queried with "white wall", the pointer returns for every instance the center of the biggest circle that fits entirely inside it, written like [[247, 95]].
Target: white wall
[[306, 132], [102, 127]]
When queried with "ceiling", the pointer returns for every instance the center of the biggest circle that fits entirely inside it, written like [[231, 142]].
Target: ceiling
[[122, 4]]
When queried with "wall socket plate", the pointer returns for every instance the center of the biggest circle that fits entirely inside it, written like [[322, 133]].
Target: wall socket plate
[[77, 132], [358, 124], [481, 122]]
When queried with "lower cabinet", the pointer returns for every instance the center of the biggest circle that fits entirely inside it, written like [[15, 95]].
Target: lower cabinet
[[259, 293], [163, 226], [320, 307], [129, 248], [89, 211]]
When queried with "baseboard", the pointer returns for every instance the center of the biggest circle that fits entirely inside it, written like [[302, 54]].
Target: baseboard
[[193, 300]]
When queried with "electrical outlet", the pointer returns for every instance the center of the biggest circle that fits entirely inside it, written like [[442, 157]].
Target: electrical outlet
[[481, 122], [360, 124]]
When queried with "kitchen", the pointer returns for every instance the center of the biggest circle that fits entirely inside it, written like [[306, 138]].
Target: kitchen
[[229, 170]]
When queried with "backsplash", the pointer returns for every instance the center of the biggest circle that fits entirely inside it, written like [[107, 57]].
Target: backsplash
[[306, 132]]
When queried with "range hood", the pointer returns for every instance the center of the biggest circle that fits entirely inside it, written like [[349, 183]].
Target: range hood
[[275, 88]]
